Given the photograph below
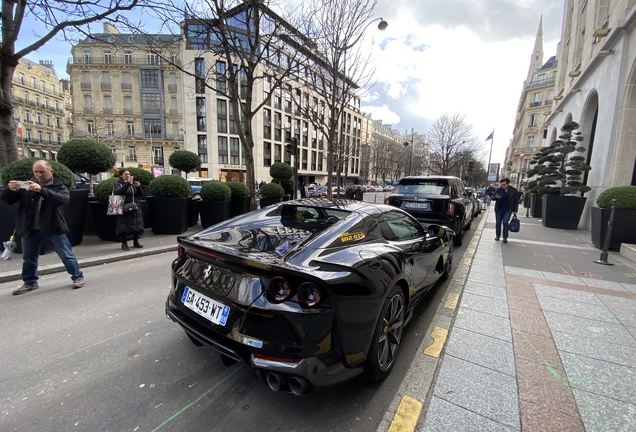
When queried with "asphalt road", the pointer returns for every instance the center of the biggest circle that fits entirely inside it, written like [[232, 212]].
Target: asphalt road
[[105, 358]]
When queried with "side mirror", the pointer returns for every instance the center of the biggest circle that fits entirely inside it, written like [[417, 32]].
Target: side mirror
[[436, 230]]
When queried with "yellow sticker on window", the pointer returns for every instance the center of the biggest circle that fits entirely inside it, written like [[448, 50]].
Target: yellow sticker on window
[[346, 237]]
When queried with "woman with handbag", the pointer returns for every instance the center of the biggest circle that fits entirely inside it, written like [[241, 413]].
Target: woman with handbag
[[131, 221]]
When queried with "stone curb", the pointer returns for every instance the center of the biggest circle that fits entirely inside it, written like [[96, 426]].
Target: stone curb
[[420, 377], [90, 262]]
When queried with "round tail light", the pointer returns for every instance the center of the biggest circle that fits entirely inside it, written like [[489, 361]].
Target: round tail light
[[279, 289], [309, 294]]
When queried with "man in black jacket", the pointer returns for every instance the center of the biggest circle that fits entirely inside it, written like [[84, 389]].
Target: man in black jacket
[[507, 201], [40, 218]]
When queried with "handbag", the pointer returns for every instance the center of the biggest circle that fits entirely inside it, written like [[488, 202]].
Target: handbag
[[130, 207], [115, 205], [514, 225]]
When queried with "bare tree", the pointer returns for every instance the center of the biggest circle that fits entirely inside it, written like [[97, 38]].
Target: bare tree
[[55, 17], [452, 144], [338, 72]]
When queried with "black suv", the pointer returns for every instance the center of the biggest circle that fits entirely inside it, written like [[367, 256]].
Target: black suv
[[435, 199]]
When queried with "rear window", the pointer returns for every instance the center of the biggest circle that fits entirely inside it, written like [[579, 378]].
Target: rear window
[[423, 187], [311, 218]]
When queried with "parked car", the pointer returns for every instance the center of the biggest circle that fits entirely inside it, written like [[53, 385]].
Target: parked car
[[195, 184], [83, 182], [370, 188], [475, 200], [310, 292], [321, 192], [435, 199]]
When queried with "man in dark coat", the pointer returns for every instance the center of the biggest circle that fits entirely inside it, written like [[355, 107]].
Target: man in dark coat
[[40, 218], [131, 222], [507, 201], [350, 192]]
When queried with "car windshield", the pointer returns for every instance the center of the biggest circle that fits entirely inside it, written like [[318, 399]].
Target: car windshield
[[423, 187]]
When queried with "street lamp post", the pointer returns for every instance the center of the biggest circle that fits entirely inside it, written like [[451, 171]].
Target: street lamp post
[[412, 144]]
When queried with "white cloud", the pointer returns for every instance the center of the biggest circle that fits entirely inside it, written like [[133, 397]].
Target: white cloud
[[383, 113]]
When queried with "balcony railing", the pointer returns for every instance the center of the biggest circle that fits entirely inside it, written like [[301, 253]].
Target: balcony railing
[[86, 85], [548, 102], [128, 111], [174, 112], [108, 110], [142, 61], [540, 83], [88, 110], [172, 87], [126, 86], [535, 104], [105, 86], [145, 137]]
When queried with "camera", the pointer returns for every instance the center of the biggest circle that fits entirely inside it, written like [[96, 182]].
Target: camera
[[23, 184]]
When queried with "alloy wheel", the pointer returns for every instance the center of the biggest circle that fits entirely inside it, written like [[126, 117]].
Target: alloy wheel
[[390, 332]]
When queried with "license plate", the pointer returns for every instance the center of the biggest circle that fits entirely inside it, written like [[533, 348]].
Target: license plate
[[205, 306], [417, 205]]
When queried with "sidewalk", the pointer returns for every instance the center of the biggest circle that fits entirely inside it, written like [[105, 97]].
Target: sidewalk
[[94, 251], [542, 339]]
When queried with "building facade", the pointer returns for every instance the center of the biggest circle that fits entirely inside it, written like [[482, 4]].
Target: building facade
[[212, 128], [42, 106], [535, 105], [596, 87], [127, 93]]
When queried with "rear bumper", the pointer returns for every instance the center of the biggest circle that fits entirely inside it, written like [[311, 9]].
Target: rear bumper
[[321, 370]]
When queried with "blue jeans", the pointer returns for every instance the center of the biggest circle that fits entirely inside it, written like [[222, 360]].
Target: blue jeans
[[502, 216], [488, 199], [31, 252]]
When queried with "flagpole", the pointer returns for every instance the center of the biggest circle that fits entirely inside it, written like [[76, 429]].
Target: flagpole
[[492, 139]]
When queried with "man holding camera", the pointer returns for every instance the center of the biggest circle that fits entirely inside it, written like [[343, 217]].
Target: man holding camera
[[507, 201], [39, 219]]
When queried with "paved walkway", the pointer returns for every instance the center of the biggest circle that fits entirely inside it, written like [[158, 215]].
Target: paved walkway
[[543, 339]]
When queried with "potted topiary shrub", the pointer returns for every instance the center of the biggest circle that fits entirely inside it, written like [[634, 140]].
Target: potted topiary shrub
[[622, 230], [283, 174], [86, 156], [534, 199], [215, 203], [170, 204], [271, 193], [74, 211], [185, 161], [240, 199], [105, 226], [560, 175]]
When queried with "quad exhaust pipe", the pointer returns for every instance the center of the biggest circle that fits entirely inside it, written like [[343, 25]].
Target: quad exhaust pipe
[[274, 381], [298, 385]]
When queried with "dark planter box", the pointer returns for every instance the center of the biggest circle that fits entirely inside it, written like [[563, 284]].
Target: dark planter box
[[240, 205], [145, 213], [269, 201], [75, 215], [622, 230], [527, 199], [536, 206], [194, 213], [89, 223], [214, 212], [169, 215], [104, 225], [8, 217], [562, 211]]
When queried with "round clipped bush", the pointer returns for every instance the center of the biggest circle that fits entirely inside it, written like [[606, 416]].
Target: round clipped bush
[[141, 175], [23, 170], [215, 190], [625, 197], [185, 161], [239, 189], [287, 184], [86, 156], [104, 188], [170, 185], [280, 170], [272, 190]]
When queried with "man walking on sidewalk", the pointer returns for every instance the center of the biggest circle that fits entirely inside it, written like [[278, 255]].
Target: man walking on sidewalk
[[40, 218], [507, 201]]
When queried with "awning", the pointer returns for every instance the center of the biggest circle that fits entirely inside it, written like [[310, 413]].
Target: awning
[[45, 151], [20, 148], [33, 150], [53, 151]]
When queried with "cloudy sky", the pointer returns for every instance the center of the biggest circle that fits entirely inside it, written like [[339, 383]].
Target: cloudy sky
[[436, 57]]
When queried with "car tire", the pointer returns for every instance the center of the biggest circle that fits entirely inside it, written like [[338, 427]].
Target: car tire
[[387, 337], [459, 236], [449, 263]]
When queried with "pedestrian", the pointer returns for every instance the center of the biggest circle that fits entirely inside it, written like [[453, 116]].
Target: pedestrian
[[131, 222], [507, 201], [303, 191], [489, 193], [349, 193], [358, 194], [40, 219]]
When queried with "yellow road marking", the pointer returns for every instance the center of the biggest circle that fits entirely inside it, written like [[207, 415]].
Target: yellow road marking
[[470, 251], [475, 243], [439, 337], [468, 261], [451, 301], [405, 418]]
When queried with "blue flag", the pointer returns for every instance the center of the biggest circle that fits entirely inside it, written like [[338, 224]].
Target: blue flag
[[490, 136]]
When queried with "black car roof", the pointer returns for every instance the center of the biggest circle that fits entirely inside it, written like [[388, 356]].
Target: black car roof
[[428, 177]]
